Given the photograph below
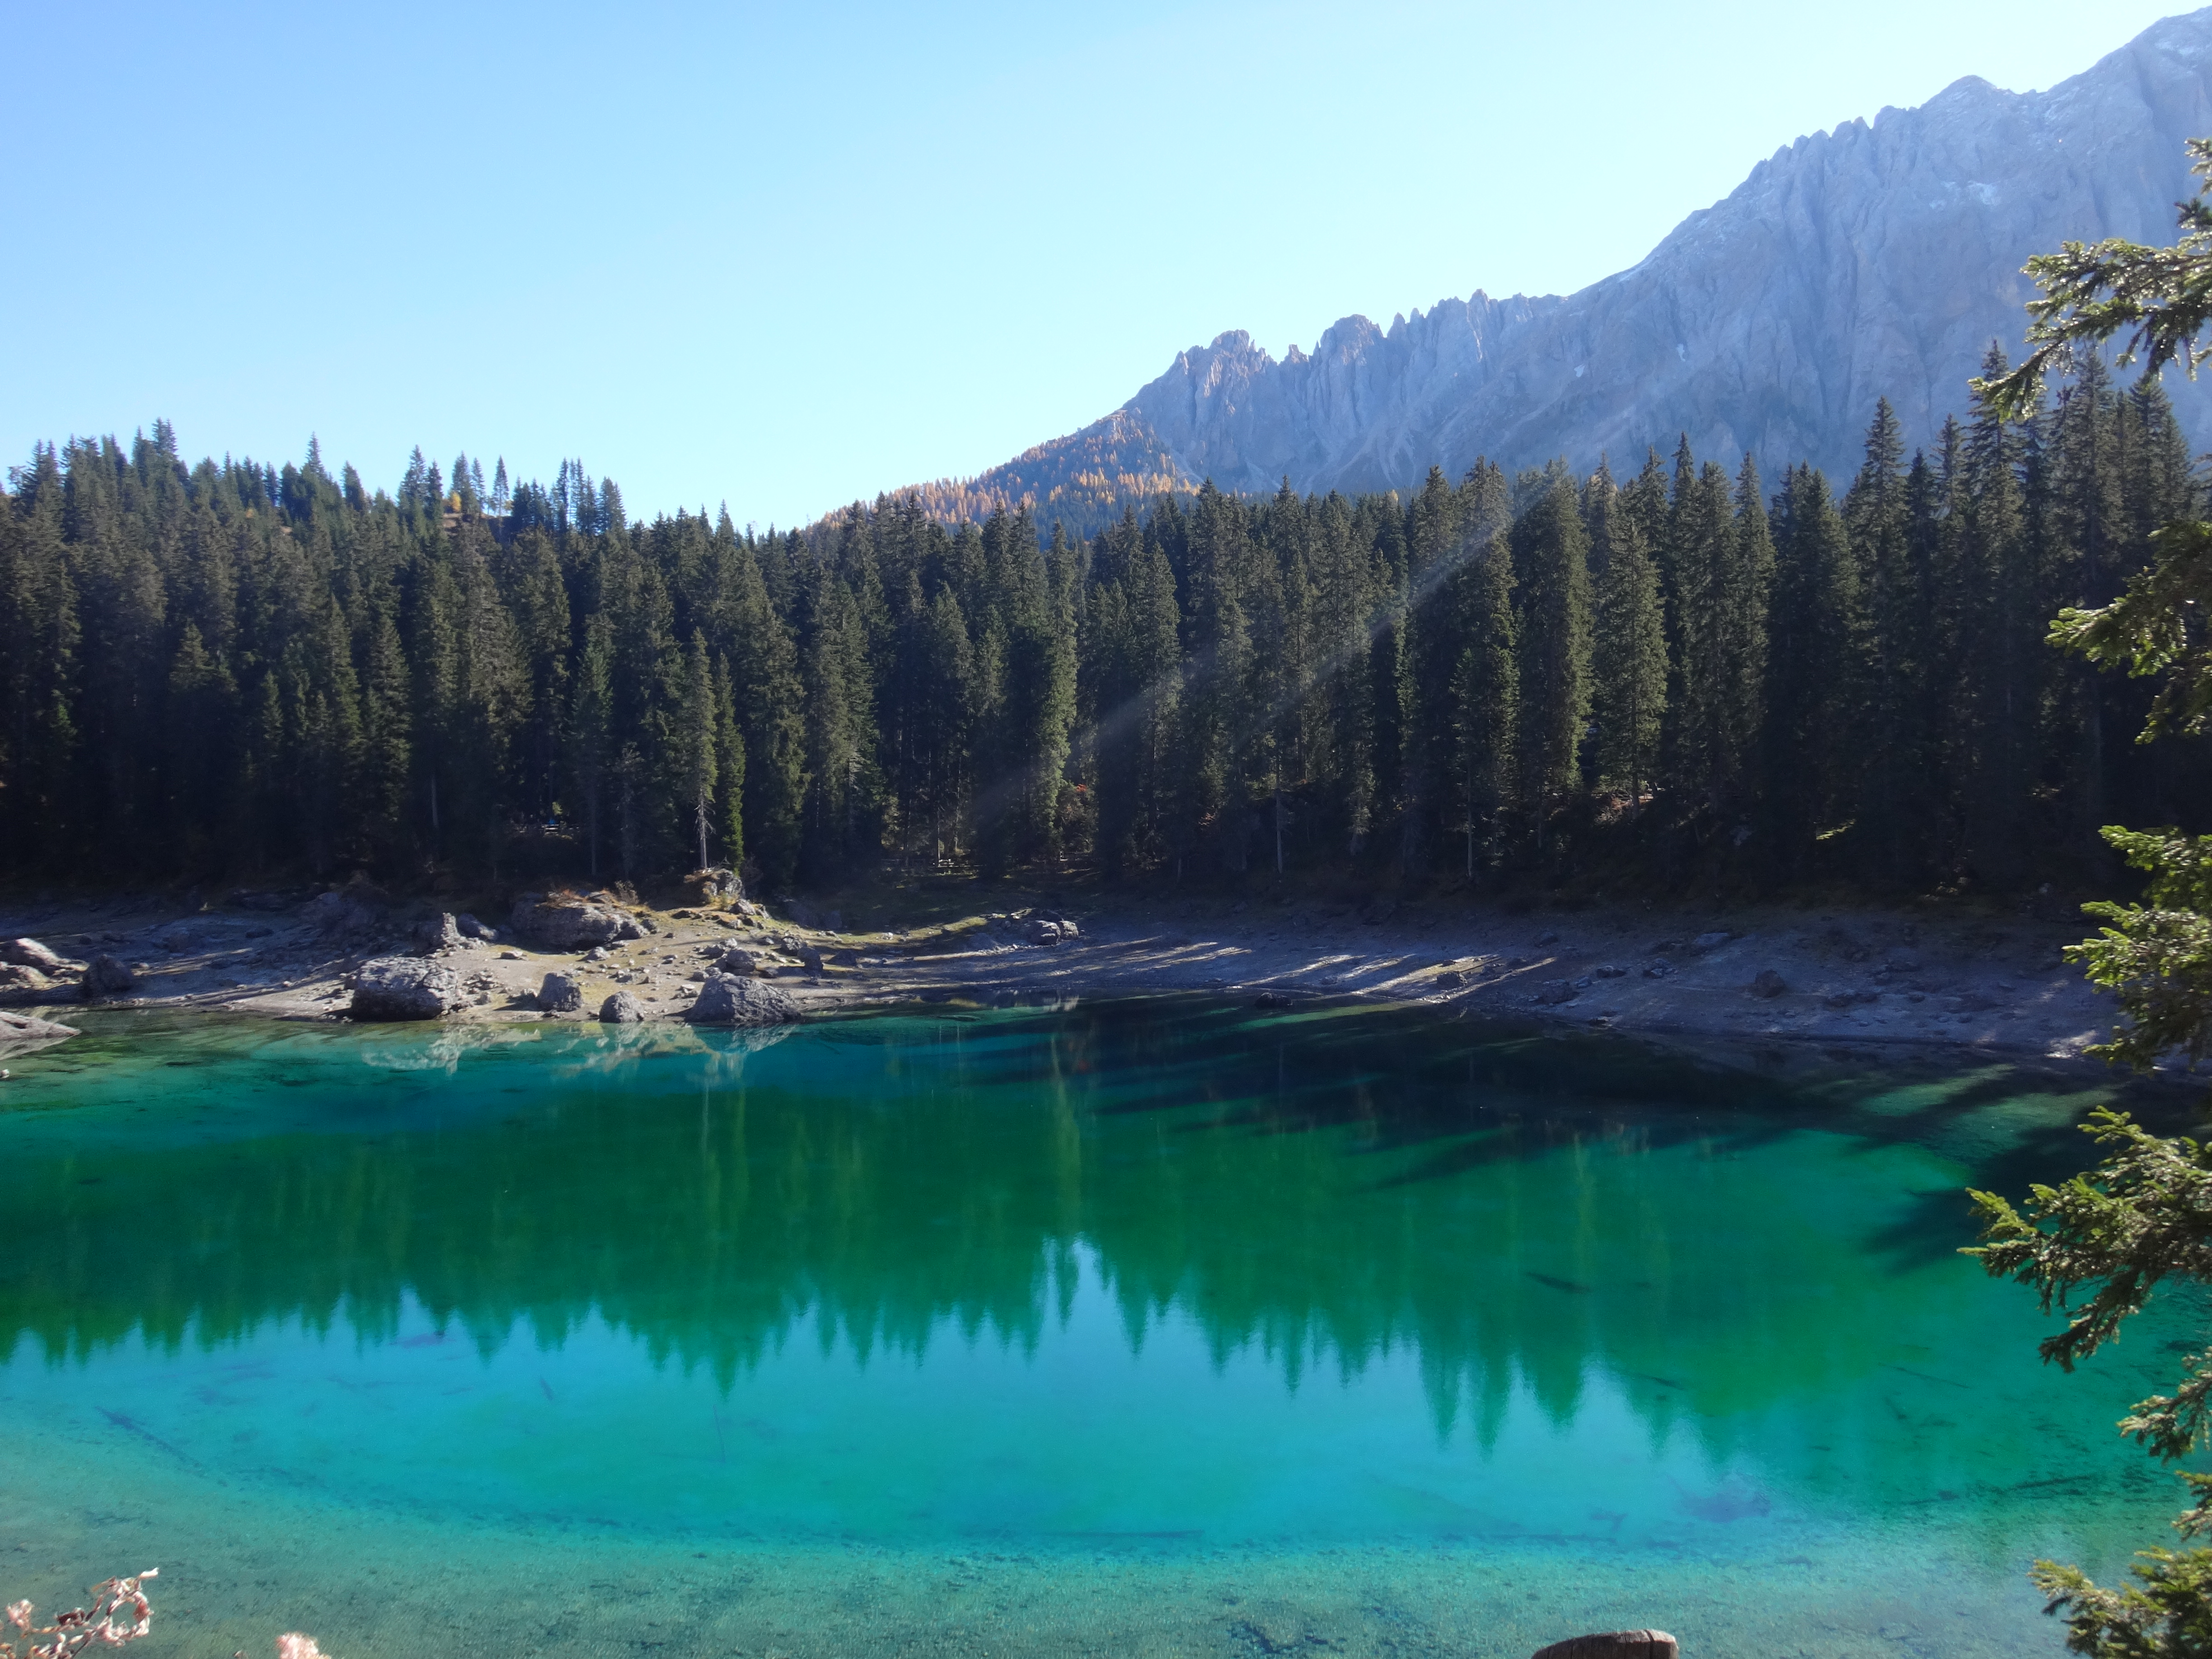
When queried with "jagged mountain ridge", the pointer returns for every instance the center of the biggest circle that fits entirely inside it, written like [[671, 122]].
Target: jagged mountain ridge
[[1879, 259]]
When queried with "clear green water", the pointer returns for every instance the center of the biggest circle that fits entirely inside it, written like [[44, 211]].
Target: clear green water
[[1160, 1326]]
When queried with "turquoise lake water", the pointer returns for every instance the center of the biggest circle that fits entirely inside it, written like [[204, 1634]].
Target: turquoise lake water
[[1158, 1326]]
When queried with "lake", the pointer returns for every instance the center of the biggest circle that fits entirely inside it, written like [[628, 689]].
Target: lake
[[1157, 1325]]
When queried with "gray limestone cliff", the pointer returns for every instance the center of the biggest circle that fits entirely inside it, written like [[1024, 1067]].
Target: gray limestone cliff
[[1877, 260]]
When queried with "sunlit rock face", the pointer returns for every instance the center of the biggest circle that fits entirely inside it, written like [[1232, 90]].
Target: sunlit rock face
[[1877, 260]]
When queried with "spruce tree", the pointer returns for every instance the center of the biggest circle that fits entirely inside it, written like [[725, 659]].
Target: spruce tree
[[1485, 704], [387, 748], [698, 734], [1816, 705], [2002, 658], [1628, 661], [729, 770], [1552, 558], [591, 733]]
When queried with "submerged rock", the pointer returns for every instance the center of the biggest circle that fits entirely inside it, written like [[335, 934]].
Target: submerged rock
[[1768, 983], [404, 988], [29, 1028], [1614, 1644], [724, 1000], [25, 1031]]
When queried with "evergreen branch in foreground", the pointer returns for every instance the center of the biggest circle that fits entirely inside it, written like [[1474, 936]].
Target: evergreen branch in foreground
[[2167, 1614], [2158, 627], [2143, 1215], [2159, 297]]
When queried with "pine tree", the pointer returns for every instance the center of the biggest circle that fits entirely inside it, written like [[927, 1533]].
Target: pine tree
[[1485, 702], [1747, 585], [202, 747], [2088, 562], [39, 645], [1217, 730], [1816, 702], [591, 732], [1628, 665], [2001, 656], [765, 674], [729, 770], [947, 719], [1552, 558], [1903, 654], [388, 749], [698, 734]]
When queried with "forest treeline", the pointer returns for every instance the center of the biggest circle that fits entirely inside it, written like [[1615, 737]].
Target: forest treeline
[[1676, 672]]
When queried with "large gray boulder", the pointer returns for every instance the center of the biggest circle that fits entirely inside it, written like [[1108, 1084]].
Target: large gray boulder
[[436, 934], [561, 994], [724, 1000], [621, 1009], [404, 987], [106, 976], [343, 910], [562, 922]]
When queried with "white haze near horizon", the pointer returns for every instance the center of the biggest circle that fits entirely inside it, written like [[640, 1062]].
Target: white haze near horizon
[[742, 255]]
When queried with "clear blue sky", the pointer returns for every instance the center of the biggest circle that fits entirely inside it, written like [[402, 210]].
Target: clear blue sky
[[786, 255]]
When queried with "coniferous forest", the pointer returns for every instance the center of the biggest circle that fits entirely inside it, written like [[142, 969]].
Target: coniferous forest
[[1679, 672]]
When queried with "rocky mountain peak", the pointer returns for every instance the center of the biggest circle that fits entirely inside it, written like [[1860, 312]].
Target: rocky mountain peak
[[1878, 259]]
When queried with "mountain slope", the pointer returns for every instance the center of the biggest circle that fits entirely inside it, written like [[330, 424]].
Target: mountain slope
[[1879, 259], [1081, 481]]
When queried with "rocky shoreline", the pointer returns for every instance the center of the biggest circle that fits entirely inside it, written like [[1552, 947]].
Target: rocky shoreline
[[1990, 985]]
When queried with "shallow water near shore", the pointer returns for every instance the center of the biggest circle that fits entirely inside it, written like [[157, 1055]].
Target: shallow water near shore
[[1160, 1325]]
